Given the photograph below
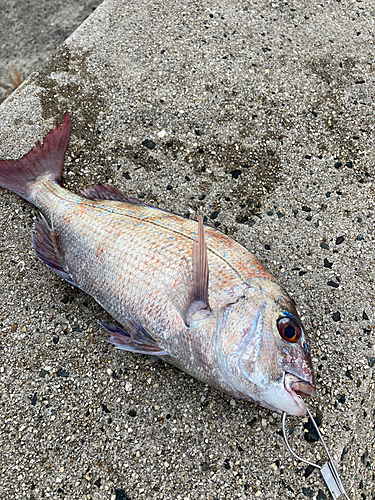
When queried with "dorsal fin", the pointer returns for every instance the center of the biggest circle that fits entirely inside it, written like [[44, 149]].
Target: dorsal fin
[[199, 289], [194, 280], [107, 192]]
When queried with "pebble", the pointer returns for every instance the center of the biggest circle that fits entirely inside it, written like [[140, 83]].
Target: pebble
[[333, 284], [149, 144], [62, 373], [310, 433], [339, 240], [336, 316]]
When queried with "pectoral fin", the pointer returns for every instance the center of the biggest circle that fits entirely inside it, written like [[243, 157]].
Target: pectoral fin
[[133, 337]]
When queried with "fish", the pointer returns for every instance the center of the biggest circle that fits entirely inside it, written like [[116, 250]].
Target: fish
[[178, 289]]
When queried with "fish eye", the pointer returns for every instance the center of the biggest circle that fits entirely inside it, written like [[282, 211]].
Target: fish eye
[[289, 330]]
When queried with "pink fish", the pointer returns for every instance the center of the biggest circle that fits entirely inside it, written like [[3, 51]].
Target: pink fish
[[180, 290]]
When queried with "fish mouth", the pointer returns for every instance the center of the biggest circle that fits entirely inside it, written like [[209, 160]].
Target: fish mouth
[[298, 388], [303, 389]]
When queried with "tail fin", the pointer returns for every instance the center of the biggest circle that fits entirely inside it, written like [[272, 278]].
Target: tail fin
[[44, 159]]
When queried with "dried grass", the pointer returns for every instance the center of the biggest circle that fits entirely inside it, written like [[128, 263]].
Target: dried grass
[[16, 78]]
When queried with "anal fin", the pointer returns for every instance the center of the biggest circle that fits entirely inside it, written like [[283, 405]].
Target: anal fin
[[45, 246], [133, 337]]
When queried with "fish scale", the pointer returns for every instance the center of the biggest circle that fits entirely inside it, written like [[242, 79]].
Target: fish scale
[[180, 290]]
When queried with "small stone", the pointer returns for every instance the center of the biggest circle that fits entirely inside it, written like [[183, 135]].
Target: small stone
[[311, 436], [321, 495], [132, 413], [360, 237], [324, 245], [341, 399], [308, 471], [339, 240], [327, 264], [371, 361], [43, 373], [236, 173], [349, 164], [308, 492], [214, 214], [148, 143], [34, 399], [336, 316], [364, 316], [280, 215], [205, 466], [242, 219], [306, 209], [128, 387], [332, 284], [105, 409], [13, 328], [62, 373], [121, 495]]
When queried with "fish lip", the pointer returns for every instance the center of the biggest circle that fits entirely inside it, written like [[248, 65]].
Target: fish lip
[[303, 388], [299, 388]]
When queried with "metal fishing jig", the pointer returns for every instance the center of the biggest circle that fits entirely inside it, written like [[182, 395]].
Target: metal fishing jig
[[328, 470]]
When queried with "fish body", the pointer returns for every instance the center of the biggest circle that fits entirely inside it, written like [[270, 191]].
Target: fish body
[[181, 291]]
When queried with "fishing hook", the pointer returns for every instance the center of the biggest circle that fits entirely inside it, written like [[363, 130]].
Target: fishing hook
[[328, 470]]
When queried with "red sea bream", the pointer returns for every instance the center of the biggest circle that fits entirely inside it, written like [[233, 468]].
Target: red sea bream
[[180, 290]]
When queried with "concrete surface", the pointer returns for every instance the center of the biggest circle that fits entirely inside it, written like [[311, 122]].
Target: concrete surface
[[31, 31], [261, 115]]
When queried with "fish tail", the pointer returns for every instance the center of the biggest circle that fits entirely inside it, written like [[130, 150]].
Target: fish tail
[[44, 160]]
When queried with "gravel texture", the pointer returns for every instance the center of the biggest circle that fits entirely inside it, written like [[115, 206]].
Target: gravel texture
[[261, 116]]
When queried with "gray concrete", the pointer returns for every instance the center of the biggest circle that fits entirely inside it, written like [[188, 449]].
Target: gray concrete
[[31, 31], [262, 115]]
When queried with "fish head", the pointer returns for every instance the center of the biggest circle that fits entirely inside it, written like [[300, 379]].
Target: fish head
[[263, 350]]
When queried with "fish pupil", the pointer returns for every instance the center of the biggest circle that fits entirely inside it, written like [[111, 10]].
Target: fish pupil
[[289, 332]]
